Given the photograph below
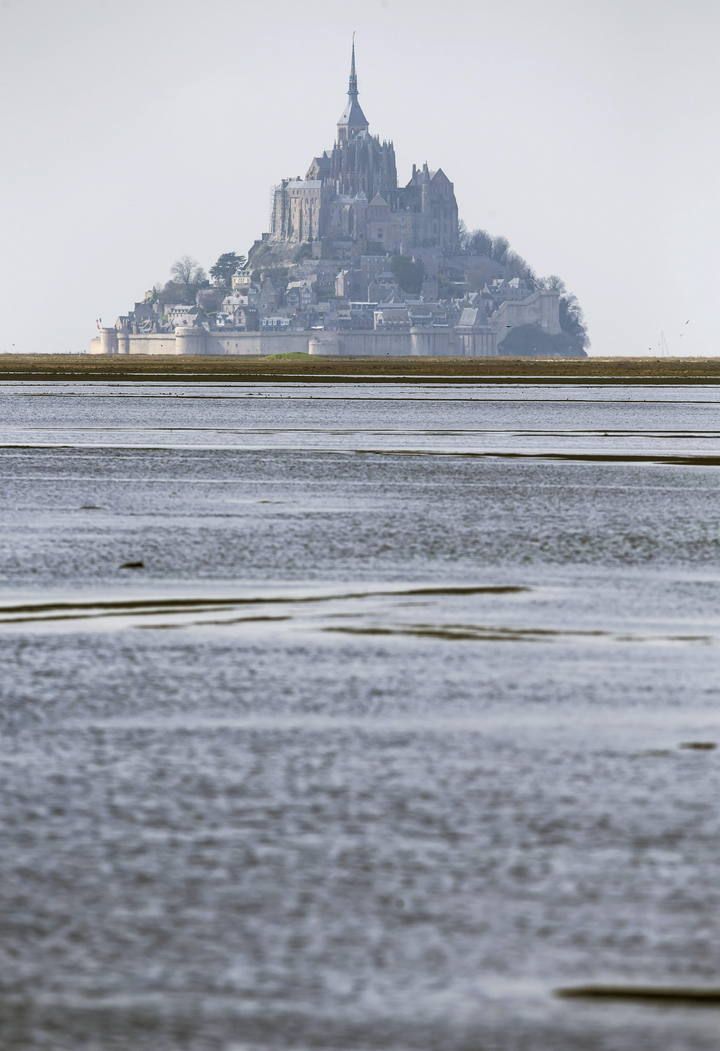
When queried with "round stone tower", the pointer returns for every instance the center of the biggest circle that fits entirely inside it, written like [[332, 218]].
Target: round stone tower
[[108, 340], [190, 339], [328, 345]]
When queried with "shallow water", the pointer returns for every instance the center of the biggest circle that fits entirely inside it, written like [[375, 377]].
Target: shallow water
[[382, 743]]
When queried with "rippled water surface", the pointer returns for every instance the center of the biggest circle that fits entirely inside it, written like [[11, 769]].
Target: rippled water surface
[[352, 716]]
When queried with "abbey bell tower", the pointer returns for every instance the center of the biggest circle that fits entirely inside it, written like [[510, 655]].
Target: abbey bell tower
[[350, 196], [353, 120]]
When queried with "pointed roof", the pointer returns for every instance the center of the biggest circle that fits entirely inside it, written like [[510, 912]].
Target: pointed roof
[[353, 116], [439, 174], [353, 88]]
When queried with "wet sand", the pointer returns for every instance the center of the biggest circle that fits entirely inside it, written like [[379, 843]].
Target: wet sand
[[348, 716], [292, 368]]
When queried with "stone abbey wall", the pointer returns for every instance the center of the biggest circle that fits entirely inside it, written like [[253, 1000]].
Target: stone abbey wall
[[187, 340], [415, 343], [541, 308]]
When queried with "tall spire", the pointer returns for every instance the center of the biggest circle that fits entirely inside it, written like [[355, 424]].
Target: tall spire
[[352, 87], [353, 120]]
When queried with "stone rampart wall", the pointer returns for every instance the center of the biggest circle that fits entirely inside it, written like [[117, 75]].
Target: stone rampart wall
[[416, 342], [187, 340], [540, 308], [257, 343], [150, 343], [156, 343]]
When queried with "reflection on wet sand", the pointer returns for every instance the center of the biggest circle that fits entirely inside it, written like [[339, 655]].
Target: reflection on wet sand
[[409, 739], [35, 612], [480, 633], [662, 994]]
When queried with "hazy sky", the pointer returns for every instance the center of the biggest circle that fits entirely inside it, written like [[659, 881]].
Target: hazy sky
[[135, 131]]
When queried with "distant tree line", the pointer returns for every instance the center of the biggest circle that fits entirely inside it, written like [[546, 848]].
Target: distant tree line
[[480, 242]]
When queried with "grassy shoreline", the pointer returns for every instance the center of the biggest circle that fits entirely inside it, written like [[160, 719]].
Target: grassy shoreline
[[143, 369]]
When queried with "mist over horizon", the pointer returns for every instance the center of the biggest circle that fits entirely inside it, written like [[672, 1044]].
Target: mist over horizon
[[139, 135]]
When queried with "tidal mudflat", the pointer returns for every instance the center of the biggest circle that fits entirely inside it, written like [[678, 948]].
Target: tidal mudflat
[[359, 716], [279, 368]]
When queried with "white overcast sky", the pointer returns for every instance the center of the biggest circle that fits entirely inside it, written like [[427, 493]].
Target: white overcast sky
[[136, 131]]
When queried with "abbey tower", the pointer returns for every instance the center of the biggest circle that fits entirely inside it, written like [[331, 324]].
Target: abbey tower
[[350, 196]]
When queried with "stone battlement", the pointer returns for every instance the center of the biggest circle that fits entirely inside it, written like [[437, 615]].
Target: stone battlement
[[187, 341]]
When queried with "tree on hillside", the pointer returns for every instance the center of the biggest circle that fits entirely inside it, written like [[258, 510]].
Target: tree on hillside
[[516, 266], [475, 242], [572, 320], [175, 292], [188, 272], [409, 273], [481, 243], [500, 249], [553, 283], [227, 264]]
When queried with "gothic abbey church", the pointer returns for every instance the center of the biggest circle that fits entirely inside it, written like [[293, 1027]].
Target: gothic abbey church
[[351, 194]]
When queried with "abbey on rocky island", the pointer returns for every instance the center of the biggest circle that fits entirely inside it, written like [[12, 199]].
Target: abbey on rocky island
[[355, 264]]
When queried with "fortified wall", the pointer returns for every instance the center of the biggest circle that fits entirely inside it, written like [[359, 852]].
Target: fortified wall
[[541, 308], [189, 340]]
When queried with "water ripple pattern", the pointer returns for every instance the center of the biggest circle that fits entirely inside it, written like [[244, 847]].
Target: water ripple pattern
[[359, 717]]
